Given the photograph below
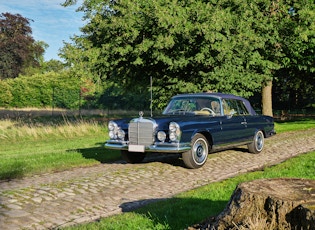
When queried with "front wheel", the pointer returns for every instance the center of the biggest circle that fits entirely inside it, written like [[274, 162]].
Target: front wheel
[[132, 157], [258, 143], [197, 156]]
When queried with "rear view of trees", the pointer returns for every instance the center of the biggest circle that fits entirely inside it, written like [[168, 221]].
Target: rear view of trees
[[18, 49]]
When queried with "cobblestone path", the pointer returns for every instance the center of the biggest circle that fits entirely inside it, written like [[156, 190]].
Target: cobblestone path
[[85, 194]]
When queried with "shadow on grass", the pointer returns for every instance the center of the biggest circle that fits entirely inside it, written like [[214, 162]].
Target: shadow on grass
[[176, 213], [99, 154]]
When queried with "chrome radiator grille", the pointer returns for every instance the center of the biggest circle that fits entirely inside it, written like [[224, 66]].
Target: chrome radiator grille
[[141, 132]]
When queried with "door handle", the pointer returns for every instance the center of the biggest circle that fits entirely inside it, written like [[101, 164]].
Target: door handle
[[244, 123]]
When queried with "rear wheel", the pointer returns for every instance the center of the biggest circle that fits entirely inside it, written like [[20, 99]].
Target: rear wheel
[[258, 143], [197, 156], [132, 157]]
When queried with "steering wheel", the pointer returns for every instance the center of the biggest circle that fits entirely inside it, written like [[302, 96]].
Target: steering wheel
[[209, 110]]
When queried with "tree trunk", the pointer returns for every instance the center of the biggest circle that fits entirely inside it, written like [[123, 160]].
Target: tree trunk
[[268, 204], [267, 99]]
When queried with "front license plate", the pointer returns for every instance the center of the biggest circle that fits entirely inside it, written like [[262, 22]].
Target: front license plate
[[136, 148]]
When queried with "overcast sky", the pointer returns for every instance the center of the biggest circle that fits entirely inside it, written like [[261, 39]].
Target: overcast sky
[[52, 23]]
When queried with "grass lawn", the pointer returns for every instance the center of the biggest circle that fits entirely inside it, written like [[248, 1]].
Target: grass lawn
[[35, 149], [294, 125]]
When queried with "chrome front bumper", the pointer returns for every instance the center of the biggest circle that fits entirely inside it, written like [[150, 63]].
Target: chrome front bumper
[[156, 147]]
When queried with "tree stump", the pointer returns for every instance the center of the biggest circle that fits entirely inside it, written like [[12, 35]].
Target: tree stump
[[269, 204]]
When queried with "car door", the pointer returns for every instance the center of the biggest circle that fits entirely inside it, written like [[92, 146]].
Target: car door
[[233, 123]]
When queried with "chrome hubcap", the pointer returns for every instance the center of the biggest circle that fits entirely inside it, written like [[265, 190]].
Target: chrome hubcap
[[200, 151], [259, 141]]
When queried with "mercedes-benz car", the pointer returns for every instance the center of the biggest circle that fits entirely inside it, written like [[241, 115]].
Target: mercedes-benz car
[[192, 125]]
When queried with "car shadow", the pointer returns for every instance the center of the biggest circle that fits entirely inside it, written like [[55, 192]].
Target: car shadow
[[98, 153], [167, 211], [107, 156], [240, 149], [171, 159]]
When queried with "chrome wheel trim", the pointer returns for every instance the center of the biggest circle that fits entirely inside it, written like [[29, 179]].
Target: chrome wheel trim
[[259, 141], [200, 151]]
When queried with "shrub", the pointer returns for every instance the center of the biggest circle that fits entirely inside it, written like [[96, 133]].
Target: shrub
[[41, 90], [5, 96]]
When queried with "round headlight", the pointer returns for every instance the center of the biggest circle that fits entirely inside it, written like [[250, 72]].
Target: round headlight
[[174, 131], [173, 137], [121, 134], [161, 135], [112, 135], [173, 126], [112, 125]]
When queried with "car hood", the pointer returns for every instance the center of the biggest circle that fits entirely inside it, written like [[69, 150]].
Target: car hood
[[164, 120]]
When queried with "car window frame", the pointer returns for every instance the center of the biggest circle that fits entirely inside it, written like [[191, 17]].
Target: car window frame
[[210, 98], [231, 107]]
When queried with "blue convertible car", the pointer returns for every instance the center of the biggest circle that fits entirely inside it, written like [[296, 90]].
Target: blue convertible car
[[193, 125]]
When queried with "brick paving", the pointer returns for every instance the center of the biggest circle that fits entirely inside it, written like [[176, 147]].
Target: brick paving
[[85, 194]]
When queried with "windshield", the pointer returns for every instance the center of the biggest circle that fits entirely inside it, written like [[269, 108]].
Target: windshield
[[196, 105]]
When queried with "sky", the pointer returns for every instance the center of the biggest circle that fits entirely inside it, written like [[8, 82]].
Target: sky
[[52, 23]]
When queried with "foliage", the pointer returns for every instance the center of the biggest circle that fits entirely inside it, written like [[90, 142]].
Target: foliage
[[295, 81], [41, 90], [45, 66], [188, 46], [6, 96], [18, 50]]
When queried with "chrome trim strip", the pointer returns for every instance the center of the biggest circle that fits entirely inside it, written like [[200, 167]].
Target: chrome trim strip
[[157, 147]]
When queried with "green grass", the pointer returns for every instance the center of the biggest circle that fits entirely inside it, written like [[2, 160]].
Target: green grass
[[192, 207], [28, 149], [294, 125]]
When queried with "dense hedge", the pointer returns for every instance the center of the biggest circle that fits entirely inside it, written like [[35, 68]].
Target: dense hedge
[[61, 90], [40, 90]]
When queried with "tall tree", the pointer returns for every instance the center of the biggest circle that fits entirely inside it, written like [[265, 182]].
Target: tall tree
[[295, 81], [186, 46], [18, 50]]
